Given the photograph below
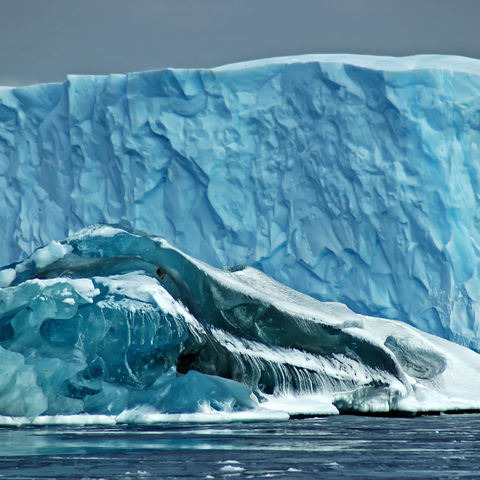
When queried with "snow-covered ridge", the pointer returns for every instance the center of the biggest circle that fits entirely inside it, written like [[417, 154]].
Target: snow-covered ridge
[[414, 62], [350, 178], [124, 328]]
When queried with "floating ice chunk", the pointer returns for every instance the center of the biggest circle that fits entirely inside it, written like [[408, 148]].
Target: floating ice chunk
[[103, 334], [231, 469]]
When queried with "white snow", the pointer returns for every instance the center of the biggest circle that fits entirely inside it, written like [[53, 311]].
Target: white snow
[[52, 252], [7, 276]]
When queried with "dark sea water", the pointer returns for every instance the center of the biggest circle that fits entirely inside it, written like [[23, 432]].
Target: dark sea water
[[431, 447]]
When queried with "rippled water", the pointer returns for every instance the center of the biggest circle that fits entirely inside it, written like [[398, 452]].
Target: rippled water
[[444, 446]]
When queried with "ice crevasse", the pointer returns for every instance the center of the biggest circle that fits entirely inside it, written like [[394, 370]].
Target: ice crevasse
[[349, 178], [117, 326]]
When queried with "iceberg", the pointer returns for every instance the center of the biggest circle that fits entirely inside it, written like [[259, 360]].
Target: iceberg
[[349, 178], [117, 326]]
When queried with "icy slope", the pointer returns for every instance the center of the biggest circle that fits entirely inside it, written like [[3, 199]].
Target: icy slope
[[350, 178], [93, 326]]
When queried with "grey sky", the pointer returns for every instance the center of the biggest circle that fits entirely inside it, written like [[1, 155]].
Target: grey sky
[[43, 40]]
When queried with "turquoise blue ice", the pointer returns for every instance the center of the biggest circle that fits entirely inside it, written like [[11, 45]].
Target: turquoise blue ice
[[350, 178], [118, 326]]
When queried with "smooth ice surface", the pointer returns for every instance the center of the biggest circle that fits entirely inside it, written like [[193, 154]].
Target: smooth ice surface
[[116, 326], [349, 178]]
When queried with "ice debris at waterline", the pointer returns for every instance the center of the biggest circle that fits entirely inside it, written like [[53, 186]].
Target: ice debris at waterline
[[124, 327], [349, 178]]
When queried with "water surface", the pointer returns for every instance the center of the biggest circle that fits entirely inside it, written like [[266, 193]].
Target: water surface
[[341, 447]]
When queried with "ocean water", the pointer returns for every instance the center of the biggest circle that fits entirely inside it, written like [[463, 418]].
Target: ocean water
[[427, 447]]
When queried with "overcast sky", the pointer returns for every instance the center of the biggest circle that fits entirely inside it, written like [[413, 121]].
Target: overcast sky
[[44, 40]]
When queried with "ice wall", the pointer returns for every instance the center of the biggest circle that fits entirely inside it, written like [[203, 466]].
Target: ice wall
[[349, 178]]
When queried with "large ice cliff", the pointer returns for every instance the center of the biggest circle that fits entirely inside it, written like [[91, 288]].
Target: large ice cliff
[[350, 178]]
